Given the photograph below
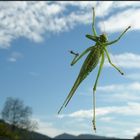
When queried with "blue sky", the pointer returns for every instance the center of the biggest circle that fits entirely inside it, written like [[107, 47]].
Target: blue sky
[[35, 38]]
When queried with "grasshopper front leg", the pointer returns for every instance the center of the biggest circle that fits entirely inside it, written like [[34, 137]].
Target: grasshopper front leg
[[107, 54], [112, 42], [93, 37], [77, 57], [93, 25]]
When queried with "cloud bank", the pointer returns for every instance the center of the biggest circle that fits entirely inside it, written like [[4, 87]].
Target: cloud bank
[[125, 110], [32, 19]]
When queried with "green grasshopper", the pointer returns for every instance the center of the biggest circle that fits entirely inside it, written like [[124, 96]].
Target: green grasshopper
[[95, 53]]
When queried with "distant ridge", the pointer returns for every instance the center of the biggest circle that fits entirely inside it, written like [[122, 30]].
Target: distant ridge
[[37, 136], [81, 136]]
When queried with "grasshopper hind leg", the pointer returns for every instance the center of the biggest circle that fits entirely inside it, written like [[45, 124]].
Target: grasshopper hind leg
[[94, 105], [94, 92]]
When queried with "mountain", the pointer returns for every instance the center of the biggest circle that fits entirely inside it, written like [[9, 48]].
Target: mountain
[[82, 136], [89, 136], [38, 136], [65, 136]]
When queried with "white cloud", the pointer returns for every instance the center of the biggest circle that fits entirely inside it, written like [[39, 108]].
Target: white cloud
[[14, 56], [125, 96], [106, 119], [101, 111], [135, 86], [50, 129], [122, 20], [122, 4], [125, 60], [32, 19], [120, 92], [47, 128], [26, 19], [129, 132]]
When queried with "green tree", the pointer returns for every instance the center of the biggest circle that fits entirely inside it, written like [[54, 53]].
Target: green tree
[[17, 114]]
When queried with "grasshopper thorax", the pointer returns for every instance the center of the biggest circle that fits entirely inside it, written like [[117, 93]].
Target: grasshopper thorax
[[103, 38]]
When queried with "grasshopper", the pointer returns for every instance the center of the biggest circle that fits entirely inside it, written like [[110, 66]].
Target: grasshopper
[[95, 53]]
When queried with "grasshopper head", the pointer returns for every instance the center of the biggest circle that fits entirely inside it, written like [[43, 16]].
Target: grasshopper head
[[103, 38]]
